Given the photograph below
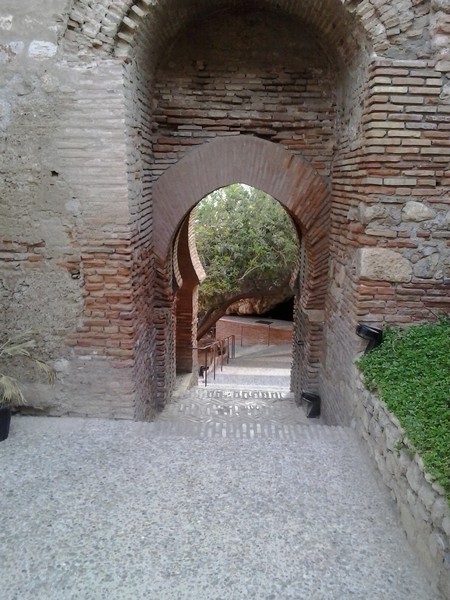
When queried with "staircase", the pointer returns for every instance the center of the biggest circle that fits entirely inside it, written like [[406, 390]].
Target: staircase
[[229, 412], [248, 398]]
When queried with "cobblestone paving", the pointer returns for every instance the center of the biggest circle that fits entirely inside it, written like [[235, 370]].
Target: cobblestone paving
[[227, 413]]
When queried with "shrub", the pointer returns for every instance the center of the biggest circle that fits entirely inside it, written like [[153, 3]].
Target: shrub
[[411, 371]]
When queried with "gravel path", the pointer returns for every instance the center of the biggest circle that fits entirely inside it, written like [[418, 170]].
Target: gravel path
[[93, 509]]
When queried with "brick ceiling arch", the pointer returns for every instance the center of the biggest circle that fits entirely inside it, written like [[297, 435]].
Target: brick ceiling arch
[[343, 26], [263, 165], [120, 25]]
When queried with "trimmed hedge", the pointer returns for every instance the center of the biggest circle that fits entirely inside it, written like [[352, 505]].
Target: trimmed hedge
[[411, 373]]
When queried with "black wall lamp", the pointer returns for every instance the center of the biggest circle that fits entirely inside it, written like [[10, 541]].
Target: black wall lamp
[[372, 334], [313, 404]]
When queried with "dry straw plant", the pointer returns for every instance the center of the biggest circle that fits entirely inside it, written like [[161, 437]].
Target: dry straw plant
[[14, 352]]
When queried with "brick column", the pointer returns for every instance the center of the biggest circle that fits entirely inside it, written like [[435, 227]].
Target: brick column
[[186, 311]]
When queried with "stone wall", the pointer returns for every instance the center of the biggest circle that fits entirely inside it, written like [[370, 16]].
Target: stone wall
[[390, 239], [63, 182], [422, 503]]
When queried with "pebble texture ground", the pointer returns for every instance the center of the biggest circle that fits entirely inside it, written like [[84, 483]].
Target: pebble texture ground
[[93, 509], [231, 494]]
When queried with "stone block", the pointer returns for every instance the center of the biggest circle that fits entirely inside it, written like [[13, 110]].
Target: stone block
[[446, 525], [426, 267], [443, 5], [440, 509], [392, 435], [427, 495], [443, 66], [414, 476], [408, 521], [437, 543], [41, 49], [384, 265], [417, 212]]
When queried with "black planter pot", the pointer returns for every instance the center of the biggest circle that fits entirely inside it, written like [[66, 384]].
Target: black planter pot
[[312, 404], [372, 334], [5, 420]]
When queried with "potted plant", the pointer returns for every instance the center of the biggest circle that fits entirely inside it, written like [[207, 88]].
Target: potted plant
[[14, 348]]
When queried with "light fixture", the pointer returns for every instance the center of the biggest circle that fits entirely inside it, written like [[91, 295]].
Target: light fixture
[[372, 334], [313, 404]]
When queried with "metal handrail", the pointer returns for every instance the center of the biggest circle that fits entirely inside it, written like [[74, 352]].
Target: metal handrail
[[218, 348]]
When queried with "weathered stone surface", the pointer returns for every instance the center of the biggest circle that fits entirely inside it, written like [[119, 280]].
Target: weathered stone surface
[[443, 66], [315, 316], [426, 267], [5, 113], [423, 506], [416, 211], [384, 265], [368, 213], [427, 495], [439, 510], [446, 525], [445, 94], [443, 5], [41, 49], [414, 476]]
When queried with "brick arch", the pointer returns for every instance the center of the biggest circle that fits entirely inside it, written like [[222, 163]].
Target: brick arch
[[263, 165], [116, 26]]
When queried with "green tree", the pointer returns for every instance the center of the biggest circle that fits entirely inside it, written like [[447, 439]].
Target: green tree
[[248, 246]]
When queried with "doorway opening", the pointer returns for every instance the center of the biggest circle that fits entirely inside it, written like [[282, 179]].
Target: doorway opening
[[248, 246]]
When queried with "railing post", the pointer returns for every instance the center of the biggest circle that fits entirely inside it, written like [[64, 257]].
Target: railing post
[[211, 350]]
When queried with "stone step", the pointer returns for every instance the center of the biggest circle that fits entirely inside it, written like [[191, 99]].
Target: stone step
[[235, 413], [227, 392], [319, 434], [255, 381], [232, 386]]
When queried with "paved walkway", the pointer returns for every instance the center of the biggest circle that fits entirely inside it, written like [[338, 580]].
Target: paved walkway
[[194, 507], [258, 366]]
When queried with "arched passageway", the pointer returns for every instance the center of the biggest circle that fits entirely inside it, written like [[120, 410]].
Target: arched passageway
[[298, 188], [249, 247], [155, 117], [252, 98], [256, 97], [102, 98]]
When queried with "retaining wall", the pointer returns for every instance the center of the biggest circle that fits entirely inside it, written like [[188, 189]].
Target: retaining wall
[[422, 503]]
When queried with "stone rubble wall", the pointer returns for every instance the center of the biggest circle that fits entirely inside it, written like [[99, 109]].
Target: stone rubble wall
[[422, 503], [64, 227], [390, 239]]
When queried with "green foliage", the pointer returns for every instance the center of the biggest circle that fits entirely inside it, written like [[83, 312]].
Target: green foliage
[[20, 346], [411, 371], [246, 242]]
